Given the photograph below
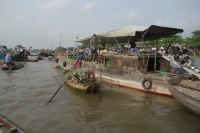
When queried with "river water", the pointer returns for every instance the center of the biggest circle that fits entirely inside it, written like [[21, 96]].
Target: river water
[[24, 93]]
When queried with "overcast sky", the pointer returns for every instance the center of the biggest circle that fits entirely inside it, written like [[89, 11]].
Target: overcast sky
[[38, 23]]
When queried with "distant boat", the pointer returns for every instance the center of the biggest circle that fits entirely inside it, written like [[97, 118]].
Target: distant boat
[[31, 60], [7, 126]]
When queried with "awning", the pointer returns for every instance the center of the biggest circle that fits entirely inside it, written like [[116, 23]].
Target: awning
[[133, 34], [123, 35], [157, 32]]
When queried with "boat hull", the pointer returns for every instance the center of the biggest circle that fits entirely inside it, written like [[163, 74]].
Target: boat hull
[[83, 87], [190, 98], [7, 126], [32, 60], [18, 65]]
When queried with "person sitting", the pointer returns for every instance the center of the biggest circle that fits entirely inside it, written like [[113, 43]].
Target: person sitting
[[8, 60], [102, 46], [80, 57], [103, 49], [133, 48]]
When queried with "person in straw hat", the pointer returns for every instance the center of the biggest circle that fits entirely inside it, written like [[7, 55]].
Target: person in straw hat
[[8, 59], [80, 57]]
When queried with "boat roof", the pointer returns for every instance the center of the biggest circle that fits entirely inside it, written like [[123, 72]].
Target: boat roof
[[133, 34], [157, 32]]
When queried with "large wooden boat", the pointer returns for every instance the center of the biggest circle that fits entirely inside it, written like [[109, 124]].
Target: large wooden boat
[[82, 80], [17, 65], [141, 71], [7, 126]]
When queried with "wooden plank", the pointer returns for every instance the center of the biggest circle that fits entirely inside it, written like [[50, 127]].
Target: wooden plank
[[192, 84]]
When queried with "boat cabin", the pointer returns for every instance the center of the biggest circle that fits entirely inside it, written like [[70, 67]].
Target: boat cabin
[[145, 63]]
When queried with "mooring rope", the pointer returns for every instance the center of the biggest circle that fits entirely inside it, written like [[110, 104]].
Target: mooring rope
[[147, 60]]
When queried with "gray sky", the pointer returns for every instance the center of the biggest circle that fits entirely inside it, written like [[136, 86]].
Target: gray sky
[[38, 23]]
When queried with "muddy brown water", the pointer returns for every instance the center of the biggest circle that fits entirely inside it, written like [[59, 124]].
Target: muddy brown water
[[24, 93]]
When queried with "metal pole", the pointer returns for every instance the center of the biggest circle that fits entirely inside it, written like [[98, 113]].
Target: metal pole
[[60, 38]]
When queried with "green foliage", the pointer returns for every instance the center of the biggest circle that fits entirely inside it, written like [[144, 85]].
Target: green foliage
[[70, 49], [195, 39], [83, 46], [60, 49], [165, 41]]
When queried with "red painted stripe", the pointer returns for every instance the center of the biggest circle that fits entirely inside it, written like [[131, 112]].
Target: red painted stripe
[[152, 92]]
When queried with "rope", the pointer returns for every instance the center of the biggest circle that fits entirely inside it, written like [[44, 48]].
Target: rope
[[147, 60], [195, 55]]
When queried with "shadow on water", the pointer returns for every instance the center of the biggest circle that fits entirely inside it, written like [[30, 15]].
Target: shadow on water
[[24, 93]]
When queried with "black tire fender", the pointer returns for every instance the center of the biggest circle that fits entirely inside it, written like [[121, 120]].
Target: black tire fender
[[146, 84], [64, 64], [57, 60]]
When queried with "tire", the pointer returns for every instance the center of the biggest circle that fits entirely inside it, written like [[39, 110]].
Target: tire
[[57, 60], [146, 84], [64, 64]]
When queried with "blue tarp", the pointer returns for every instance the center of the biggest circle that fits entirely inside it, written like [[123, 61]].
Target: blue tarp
[[2, 56], [178, 69]]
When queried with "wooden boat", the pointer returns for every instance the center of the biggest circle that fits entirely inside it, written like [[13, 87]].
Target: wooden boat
[[185, 87], [32, 60], [187, 92], [7, 126], [82, 80], [51, 58], [39, 58], [17, 65]]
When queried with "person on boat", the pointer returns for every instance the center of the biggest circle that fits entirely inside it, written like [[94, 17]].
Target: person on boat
[[80, 57], [161, 50], [133, 48], [93, 44], [103, 47], [9, 60], [40, 55]]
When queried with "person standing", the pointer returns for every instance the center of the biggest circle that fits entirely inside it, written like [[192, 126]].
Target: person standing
[[93, 44]]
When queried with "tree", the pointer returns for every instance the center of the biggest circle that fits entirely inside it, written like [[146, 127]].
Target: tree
[[195, 39], [83, 46], [165, 41], [60, 49]]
